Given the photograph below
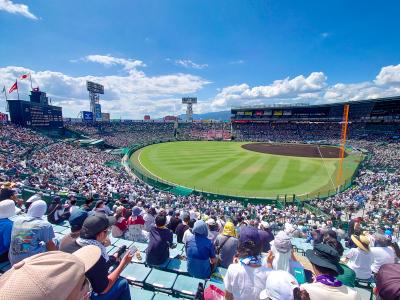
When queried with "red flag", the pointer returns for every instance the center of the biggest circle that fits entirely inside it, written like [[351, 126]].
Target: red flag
[[24, 76], [13, 88]]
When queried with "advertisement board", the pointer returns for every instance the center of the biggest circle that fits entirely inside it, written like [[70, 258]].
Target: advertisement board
[[87, 116], [105, 117], [97, 112]]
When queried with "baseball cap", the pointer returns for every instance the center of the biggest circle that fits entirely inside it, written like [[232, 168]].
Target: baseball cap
[[279, 286], [52, 275], [77, 218], [95, 224], [249, 233]]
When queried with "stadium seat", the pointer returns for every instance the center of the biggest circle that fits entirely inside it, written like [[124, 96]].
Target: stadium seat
[[58, 228], [177, 265], [140, 261], [111, 249], [122, 242], [141, 294], [162, 266], [141, 246], [186, 286], [162, 296], [161, 280], [174, 253], [5, 266], [136, 273]]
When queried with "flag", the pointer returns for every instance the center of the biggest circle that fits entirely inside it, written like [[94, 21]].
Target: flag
[[13, 88], [24, 76]]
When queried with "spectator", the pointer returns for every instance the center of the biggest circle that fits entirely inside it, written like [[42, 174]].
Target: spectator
[[87, 205], [281, 256], [189, 232], [136, 231], [245, 278], [281, 285], [73, 205], [160, 240], [56, 213], [325, 263], [266, 236], [95, 232], [360, 259], [174, 221], [200, 252], [388, 282], [226, 245], [7, 211], [182, 227], [32, 199], [213, 229], [31, 234], [121, 226], [382, 253], [68, 242], [149, 218], [51, 275]]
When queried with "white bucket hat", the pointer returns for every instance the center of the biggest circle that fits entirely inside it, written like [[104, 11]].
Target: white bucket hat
[[279, 286], [8, 209]]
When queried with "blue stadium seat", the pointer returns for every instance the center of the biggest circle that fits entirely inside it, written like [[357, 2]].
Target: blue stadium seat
[[122, 242], [141, 246], [111, 249], [161, 280], [177, 265], [141, 294], [174, 253], [186, 285], [161, 296], [162, 266], [5, 266], [142, 260], [136, 273]]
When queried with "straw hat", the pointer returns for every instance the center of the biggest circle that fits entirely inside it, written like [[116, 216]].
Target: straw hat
[[361, 242]]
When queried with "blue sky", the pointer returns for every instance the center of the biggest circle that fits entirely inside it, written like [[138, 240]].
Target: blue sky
[[149, 54]]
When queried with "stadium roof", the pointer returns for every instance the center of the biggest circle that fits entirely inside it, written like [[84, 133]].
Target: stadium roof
[[297, 105]]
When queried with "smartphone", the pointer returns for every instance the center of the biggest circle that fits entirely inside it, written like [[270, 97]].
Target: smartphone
[[133, 249]]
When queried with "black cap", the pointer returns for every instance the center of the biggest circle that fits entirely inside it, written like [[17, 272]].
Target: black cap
[[95, 224], [325, 256]]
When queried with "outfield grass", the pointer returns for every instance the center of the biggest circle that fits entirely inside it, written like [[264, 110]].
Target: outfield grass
[[227, 168]]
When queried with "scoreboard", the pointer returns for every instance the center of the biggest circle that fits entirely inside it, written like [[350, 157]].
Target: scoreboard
[[34, 114]]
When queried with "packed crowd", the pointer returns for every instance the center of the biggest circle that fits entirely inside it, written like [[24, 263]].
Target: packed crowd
[[245, 240], [125, 134]]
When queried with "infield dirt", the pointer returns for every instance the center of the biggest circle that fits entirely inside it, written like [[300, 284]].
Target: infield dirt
[[299, 150]]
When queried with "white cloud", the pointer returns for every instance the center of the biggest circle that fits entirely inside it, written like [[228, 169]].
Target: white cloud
[[237, 62], [17, 9], [388, 75], [127, 96], [108, 60], [187, 63], [280, 89], [311, 89]]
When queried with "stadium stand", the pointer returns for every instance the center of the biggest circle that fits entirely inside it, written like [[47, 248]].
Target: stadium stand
[[356, 231]]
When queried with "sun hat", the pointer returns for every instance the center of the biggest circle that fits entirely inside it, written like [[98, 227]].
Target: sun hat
[[136, 211], [211, 222], [37, 209], [52, 275], [325, 256], [77, 218], [361, 242], [95, 224], [282, 242], [279, 286], [388, 282], [8, 209]]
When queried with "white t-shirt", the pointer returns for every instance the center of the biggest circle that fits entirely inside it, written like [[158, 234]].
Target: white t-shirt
[[360, 262], [245, 282], [318, 291], [381, 255]]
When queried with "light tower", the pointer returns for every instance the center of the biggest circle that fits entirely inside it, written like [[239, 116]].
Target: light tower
[[189, 101], [95, 90]]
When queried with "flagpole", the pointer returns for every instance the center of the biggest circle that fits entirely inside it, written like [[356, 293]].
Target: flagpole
[[5, 92], [16, 80]]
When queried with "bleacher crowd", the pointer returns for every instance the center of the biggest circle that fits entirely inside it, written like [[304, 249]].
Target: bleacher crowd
[[237, 252]]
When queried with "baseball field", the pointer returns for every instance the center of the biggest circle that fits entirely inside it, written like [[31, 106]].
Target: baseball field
[[247, 169]]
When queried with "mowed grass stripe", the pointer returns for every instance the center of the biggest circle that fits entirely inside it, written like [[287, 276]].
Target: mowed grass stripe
[[211, 169], [258, 179]]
